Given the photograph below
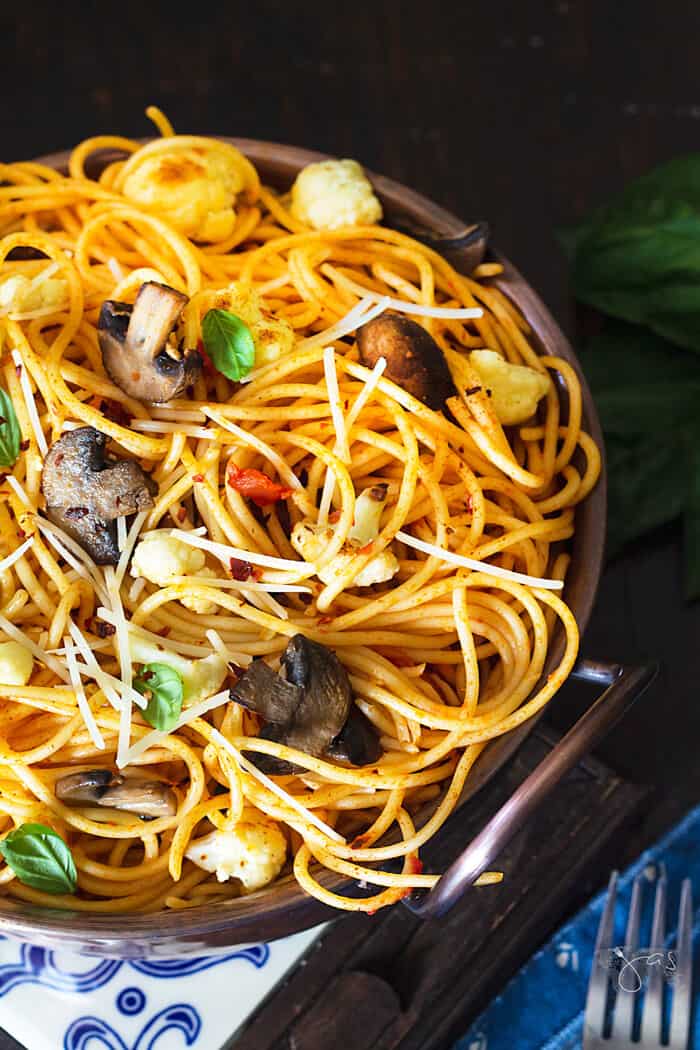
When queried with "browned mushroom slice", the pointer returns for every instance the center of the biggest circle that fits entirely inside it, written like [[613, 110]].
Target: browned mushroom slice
[[134, 344], [465, 250], [310, 712], [85, 494], [357, 742], [414, 361], [101, 787]]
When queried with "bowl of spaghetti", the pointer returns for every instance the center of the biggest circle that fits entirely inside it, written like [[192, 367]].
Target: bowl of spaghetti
[[271, 608]]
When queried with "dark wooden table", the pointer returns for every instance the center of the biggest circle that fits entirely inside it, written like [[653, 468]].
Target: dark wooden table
[[524, 112]]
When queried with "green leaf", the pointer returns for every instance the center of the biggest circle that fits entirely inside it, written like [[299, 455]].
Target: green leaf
[[229, 343], [40, 858], [638, 257], [163, 687], [10, 434]]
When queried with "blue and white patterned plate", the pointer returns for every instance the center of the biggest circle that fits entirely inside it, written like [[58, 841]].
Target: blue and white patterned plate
[[166, 1004]]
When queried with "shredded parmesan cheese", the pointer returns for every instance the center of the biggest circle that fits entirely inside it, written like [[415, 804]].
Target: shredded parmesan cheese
[[360, 314], [276, 789], [121, 532], [85, 710], [36, 650], [73, 554], [478, 566], [16, 555], [225, 553], [30, 403], [190, 713], [19, 491], [129, 544]]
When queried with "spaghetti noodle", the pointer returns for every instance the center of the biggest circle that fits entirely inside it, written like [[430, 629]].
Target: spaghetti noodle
[[443, 656]]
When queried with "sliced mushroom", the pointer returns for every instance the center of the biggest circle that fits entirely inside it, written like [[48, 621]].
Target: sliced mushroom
[[464, 250], [357, 742], [414, 361], [101, 787], [135, 349], [310, 712], [85, 494]]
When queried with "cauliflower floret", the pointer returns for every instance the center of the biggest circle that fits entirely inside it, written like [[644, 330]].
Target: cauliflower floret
[[333, 193], [253, 853], [310, 541], [515, 389], [161, 558], [273, 336], [19, 294], [16, 664], [193, 190], [200, 678]]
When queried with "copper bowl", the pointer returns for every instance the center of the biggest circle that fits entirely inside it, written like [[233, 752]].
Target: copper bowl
[[284, 908]]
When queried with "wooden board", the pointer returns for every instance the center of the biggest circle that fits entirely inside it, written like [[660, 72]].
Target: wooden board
[[392, 982]]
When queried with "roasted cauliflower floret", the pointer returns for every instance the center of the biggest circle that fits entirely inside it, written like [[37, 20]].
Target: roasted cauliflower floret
[[16, 664], [19, 294], [252, 852], [200, 678], [333, 193], [515, 389], [273, 336], [311, 540], [192, 189], [161, 558]]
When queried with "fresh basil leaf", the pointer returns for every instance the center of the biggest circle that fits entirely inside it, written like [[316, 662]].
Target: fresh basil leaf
[[163, 687], [638, 257], [40, 858], [10, 434], [229, 343]]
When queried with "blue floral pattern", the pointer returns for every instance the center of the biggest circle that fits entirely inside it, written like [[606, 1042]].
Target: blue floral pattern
[[82, 975]]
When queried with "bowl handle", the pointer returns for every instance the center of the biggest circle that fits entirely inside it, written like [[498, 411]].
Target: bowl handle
[[624, 686]]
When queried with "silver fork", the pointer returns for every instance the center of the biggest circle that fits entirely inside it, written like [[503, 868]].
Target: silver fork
[[623, 1013]]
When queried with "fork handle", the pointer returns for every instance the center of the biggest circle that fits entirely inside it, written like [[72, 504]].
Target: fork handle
[[624, 686]]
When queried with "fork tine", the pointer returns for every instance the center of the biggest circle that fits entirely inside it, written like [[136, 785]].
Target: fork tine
[[596, 999], [652, 1015], [680, 1011], [623, 1017]]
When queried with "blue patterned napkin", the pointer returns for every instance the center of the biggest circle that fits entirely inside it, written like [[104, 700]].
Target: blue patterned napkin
[[542, 1007]]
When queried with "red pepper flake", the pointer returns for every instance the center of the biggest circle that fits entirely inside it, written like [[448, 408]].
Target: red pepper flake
[[243, 570], [414, 865], [21, 533], [58, 458], [359, 843], [18, 371], [104, 630], [207, 362], [255, 485], [472, 390], [181, 514], [114, 411], [334, 517], [371, 911], [468, 503], [323, 620], [164, 632], [24, 445], [368, 547], [198, 477]]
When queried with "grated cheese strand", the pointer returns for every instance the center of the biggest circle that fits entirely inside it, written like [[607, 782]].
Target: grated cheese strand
[[188, 715], [116, 692], [36, 650], [361, 313], [288, 799], [30, 403], [19, 491], [16, 555], [121, 532], [478, 566], [85, 710], [285, 472], [225, 553], [129, 544], [73, 554]]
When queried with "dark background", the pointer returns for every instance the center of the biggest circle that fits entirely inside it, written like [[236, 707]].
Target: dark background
[[522, 112]]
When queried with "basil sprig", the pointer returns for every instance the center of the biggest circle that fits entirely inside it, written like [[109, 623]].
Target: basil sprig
[[40, 858], [10, 434], [163, 687], [229, 343]]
